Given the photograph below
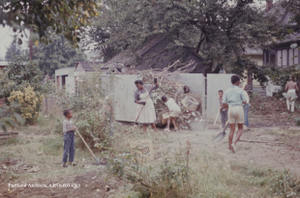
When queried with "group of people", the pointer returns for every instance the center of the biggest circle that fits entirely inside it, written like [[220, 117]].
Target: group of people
[[234, 106], [146, 110]]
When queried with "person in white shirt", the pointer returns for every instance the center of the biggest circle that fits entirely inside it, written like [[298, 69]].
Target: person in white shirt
[[174, 112]]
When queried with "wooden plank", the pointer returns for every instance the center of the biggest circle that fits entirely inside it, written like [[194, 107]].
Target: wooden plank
[[9, 133]]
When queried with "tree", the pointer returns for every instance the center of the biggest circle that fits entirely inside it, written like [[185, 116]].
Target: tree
[[57, 54], [294, 7], [12, 51], [21, 73], [219, 31], [59, 16]]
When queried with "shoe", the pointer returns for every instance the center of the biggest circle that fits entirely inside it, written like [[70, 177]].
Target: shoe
[[65, 166], [167, 130]]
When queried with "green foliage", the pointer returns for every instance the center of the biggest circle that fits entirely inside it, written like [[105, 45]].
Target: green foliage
[[57, 54], [242, 64], [218, 30], [280, 75], [12, 51], [10, 118], [92, 109], [21, 73], [293, 7], [60, 16], [171, 178], [10, 141], [30, 103]]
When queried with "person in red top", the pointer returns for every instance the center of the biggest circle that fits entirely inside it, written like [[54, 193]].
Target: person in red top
[[291, 88]]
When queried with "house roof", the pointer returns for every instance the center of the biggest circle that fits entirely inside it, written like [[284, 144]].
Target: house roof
[[153, 42], [128, 57], [125, 57], [290, 38], [88, 66]]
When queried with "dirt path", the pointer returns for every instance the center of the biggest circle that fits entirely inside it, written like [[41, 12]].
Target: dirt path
[[271, 155]]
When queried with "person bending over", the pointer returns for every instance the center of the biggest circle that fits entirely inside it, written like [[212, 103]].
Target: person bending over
[[174, 112]]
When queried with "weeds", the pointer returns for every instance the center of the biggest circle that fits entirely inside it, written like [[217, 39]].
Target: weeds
[[52, 146], [10, 141]]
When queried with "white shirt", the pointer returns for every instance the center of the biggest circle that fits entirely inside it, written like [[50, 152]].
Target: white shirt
[[172, 105], [247, 96]]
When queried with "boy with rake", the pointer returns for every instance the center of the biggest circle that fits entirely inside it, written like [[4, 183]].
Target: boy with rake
[[234, 99]]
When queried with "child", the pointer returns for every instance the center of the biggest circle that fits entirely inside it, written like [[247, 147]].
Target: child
[[174, 112], [235, 98], [223, 110], [69, 144]]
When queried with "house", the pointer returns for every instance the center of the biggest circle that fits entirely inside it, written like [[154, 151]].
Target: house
[[157, 53], [85, 68], [255, 55], [65, 79], [282, 53]]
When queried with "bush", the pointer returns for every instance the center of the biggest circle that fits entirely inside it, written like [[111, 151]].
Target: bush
[[30, 103], [92, 110]]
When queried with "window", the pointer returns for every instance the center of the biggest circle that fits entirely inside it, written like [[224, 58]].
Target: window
[[58, 81], [284, 57], [63, 81], [296, 53], [291, 54], [279, 58], [270, 58]]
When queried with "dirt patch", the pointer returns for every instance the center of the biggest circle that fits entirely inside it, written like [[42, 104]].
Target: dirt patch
[[269, 108]]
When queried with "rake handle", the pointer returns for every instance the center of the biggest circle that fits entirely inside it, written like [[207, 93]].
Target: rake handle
[[87, 146], [143, 105]]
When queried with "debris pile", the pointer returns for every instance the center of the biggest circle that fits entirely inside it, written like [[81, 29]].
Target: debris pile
[[268, 107], [189, 103]]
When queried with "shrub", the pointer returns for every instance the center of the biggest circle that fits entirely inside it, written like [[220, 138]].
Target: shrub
[[92, 110], [30, 103]]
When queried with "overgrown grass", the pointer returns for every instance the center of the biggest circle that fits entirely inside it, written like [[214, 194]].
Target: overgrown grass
[[210, 175], [12, 140], [52, 146]]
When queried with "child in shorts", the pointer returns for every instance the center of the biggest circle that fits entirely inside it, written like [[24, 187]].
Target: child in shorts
[[174, 112]]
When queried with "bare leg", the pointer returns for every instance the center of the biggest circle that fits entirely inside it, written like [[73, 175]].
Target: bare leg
[[144, 127], [168, 123], [174, 123], [230, 136], [239, 133], [154, 127]]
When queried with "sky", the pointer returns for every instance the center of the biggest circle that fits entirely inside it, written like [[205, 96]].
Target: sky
[[6, 34]]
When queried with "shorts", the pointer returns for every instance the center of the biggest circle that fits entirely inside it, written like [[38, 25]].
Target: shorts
[[236, 115]]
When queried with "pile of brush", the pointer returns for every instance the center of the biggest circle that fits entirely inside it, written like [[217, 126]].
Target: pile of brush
[[172, 89]]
